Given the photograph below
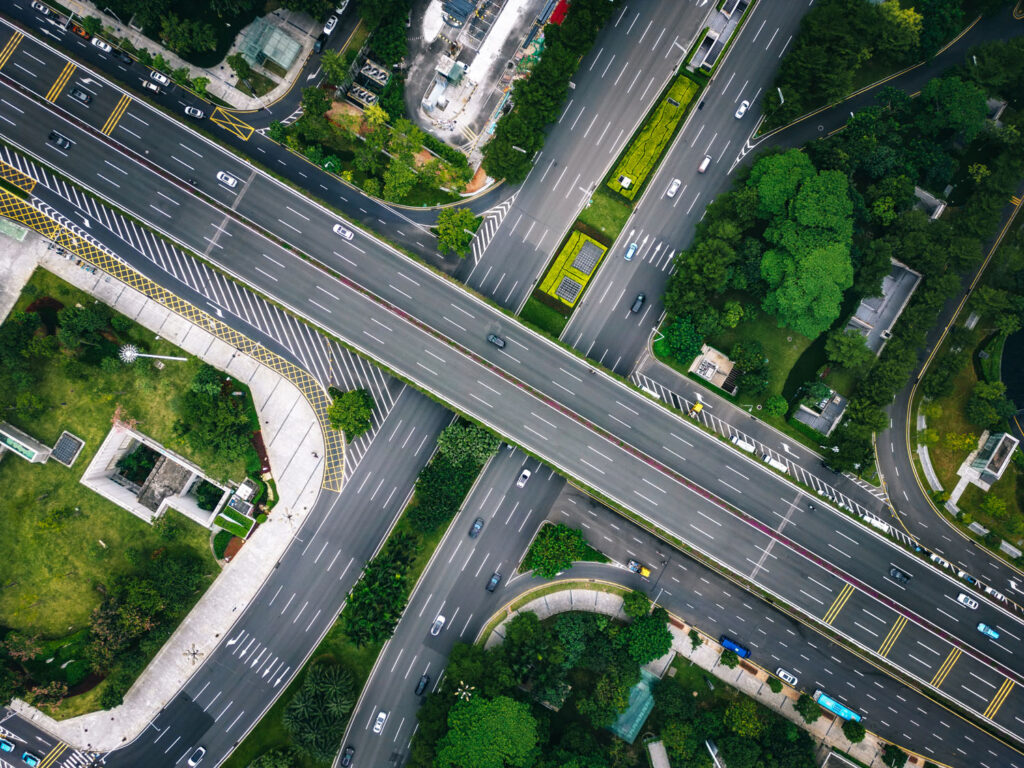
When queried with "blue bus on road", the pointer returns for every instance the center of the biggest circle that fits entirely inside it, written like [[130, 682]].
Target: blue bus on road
[[739, 650], [827, 702]]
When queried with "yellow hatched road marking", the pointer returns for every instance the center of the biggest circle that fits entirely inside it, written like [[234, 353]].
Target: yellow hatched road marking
[[9, 47], [947, 665], [58, 86], [999, 698], [837, 606], [334, 443], [231, 122], [890, 639], [115, 116]]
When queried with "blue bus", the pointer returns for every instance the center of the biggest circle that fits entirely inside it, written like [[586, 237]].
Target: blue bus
[[827, 702], [739, 650]]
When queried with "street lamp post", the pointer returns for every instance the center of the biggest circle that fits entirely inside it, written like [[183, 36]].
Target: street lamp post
[[129, 353]]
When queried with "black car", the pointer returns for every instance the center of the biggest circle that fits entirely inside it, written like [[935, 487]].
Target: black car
[[123, 57], [80, 95], [478, 525], [494, 582], [318, 44], [899, 575], [496, 340], [60, 140], [421, 686], [347, 755]]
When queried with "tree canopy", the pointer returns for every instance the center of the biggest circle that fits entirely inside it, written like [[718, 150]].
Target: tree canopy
[[496, 733]]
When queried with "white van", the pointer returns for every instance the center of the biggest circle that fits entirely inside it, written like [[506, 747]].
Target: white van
[[740, 442], [704, 164], [775, 463]]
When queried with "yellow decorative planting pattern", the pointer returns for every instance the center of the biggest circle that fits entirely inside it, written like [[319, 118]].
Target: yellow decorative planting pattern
[[334, 454]]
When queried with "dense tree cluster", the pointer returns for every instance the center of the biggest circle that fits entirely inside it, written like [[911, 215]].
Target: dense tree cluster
[[537, 99], [839, 38], [377, 600], [212, 419], [556, 548], [351, 412], [541, 698], [316, 716]]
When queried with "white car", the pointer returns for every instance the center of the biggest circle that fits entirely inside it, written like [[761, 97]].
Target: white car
[[342, 231], [523, 477], [194, 112], [160, 77], [970, 602], [382, 718], [437, 626], [673, 188], [786, 677], [742, 110], [227, 178], [330, 25], [103, 45], [198, 755], [341, 7], [151, 86], [40, 7]]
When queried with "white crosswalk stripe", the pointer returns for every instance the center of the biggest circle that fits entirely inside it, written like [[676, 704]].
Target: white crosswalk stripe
[[489, 226]]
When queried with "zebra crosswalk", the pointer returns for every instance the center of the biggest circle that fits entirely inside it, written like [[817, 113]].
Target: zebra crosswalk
[[489, 226]]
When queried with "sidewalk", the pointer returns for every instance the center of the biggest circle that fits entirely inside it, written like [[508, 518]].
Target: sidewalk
[[291, 434], [750, 680], [300, 26]]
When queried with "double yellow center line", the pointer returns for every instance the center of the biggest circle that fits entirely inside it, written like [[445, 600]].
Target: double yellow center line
[[947, 665], [115, 116], [999, 698], [51, 758], [5, 54], [65, 75], [890, 639], [837, 606]]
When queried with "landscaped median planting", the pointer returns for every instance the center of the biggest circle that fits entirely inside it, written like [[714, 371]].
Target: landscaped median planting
[[646, 148], [234, 521], [572, 268]]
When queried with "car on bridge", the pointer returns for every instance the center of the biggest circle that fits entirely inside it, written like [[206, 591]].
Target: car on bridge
[[986, 630]]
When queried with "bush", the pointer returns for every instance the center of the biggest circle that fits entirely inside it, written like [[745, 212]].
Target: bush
[[808, 708], [695, 639], [774, 684], [207, 495], [315, 718], [729, 659], [221, 539]]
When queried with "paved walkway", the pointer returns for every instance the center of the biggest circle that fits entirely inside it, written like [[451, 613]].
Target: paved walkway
[[299, 26], [746, 677], [292, 436]]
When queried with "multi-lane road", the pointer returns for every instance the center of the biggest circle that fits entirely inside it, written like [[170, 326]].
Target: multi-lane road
[[149, 156]]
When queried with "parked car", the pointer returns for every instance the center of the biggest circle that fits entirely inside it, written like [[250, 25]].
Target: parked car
[[742, 110], [631, 251], [478, 525], [995, 594], [378, 725], [318, 44], [437, 626], [343, 231], [786, 677], [985, 629], [103, 45], [341, 7], [227, 178], [331, 24], [347, 755], [160, 77], [967, 577], [150, 86], [967, 600], [195, 112], [673, 188], [79, 95], [523, 477]]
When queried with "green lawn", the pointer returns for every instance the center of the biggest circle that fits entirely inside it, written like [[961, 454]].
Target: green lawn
[[261, 84], [50, 575], [542, 317], [607, 213]]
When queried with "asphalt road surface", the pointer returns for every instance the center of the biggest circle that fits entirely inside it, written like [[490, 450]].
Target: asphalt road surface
[[533, 421]]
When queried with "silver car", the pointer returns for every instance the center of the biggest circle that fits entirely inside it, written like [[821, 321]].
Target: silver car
[[742, 110], [786, 677], [382, 718], [437, 626], [673, 188]]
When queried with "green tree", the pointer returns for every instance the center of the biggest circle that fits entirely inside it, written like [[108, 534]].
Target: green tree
[[82, 325], [351, 412], [636, 604], [848, 349], [695, 639], [988, 407], [729, 658], [949, 105], [649, 637], [335, 67], [899, 33], [467, 442], [497, 733], [808, 708], [993, 506], [745, 717], [774, 684], [554, 550], [455, 230], [389, 42], [315, 717], [683, 340], [185, 36], [776, 405], [92, 25], [893, 756], [240, 66], [279, 757], [399, 180], [854, 731]]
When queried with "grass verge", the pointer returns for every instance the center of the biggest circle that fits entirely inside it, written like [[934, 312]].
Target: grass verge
[[607, 213], [542, 316]]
